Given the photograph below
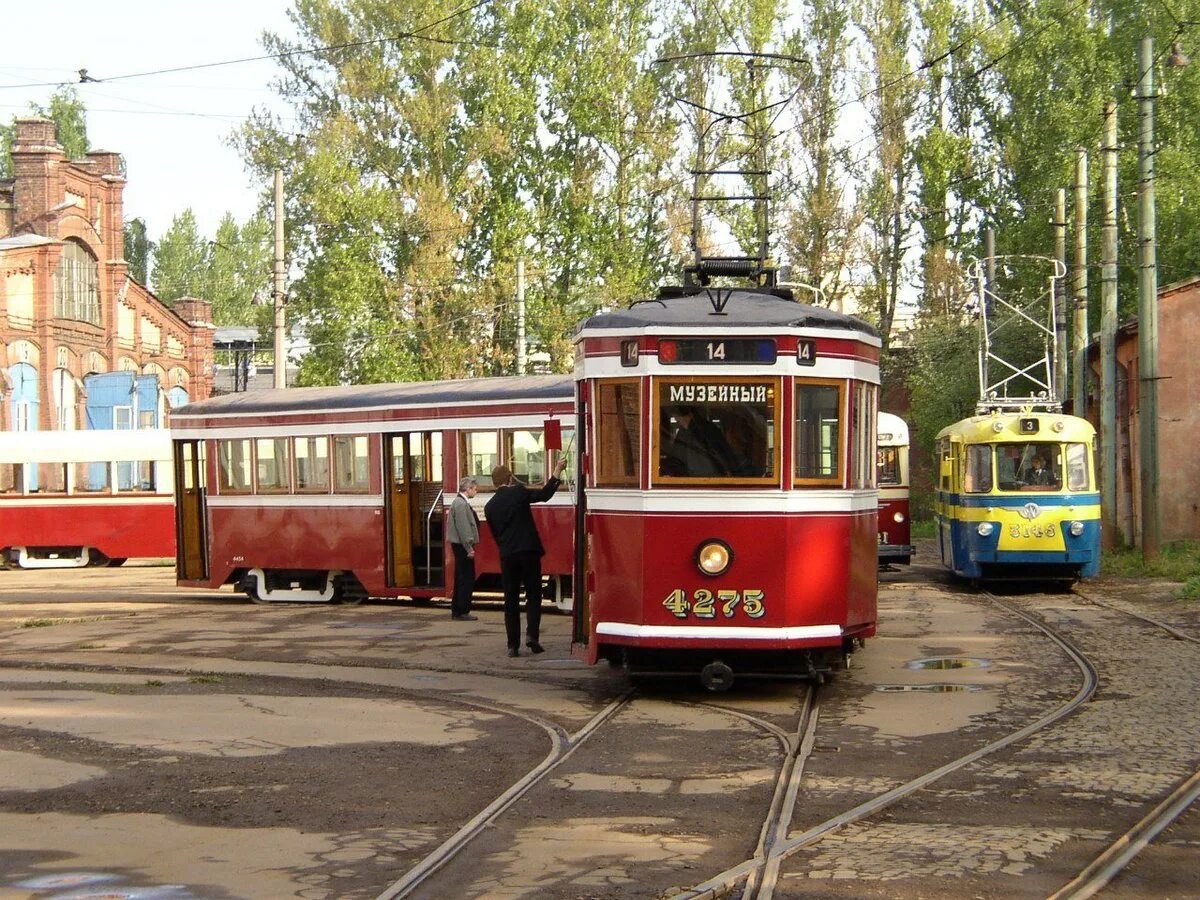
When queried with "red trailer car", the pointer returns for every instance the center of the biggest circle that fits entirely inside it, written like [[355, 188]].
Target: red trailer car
[[339, 493]]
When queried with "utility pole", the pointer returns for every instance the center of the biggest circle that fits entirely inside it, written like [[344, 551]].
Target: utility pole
[[521, 315], [1062, 385], [1147, 306], [989, 286], [1079, 325], [1108, 334], [278, 293]]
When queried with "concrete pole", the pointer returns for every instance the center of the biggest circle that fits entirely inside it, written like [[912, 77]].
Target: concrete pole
[[1079, 324], [989, 287], [279, 292], [1062, 384], [1147, 307], [521, 316], [1108, 334]]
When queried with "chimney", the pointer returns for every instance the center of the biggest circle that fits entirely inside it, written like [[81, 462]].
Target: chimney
[[37, 179], [194, 311]]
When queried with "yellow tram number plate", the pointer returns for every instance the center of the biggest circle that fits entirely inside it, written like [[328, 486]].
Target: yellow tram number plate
[[704, 604], [1031, 531]]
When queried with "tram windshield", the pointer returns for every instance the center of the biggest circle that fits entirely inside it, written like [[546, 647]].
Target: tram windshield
[[887, 465], [1027, 467], [717, 430]]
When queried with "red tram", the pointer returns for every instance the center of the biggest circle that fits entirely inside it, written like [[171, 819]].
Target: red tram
[[339, 493], [70, 499], [895, 545], [727, 506]]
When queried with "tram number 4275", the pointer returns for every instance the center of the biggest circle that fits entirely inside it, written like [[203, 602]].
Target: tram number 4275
[[705, 604]]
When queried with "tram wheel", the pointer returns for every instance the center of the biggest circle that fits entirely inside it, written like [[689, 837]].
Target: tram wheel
[[348, 590], [115, 561]]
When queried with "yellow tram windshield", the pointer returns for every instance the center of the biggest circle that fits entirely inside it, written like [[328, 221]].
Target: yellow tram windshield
[[1026, 466]]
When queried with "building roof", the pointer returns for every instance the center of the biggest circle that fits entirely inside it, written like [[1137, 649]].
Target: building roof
[[25, 240]]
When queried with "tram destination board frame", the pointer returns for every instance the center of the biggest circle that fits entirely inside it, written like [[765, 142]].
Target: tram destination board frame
[[720, 351]]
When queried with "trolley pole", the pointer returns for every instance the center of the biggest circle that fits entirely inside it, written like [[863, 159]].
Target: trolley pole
[[1079, 326], [278, 293], [1108, 334], [520, 315], [1062, 385], [1147, 306]]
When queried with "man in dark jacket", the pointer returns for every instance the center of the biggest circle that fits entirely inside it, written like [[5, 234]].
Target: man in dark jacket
[[511, 523]]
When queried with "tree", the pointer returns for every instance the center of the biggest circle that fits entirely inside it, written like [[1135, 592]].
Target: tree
[[70, 120], [138, 249], [178, 260]]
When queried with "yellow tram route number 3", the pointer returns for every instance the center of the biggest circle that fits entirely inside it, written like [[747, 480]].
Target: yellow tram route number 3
[[704, 603]]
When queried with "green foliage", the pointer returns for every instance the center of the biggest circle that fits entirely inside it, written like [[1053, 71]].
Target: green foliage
[[228, 271], [138, 248], [1177, 562], [70, 119]]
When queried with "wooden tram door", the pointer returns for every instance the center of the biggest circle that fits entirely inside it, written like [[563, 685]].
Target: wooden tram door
[[191, 558], [400, 503]]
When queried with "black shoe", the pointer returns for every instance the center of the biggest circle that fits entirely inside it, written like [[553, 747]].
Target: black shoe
[[535, 647], [513, 651], [465, 617]]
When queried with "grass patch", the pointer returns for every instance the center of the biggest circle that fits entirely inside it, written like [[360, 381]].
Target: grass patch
[[154, 682], [923, 528], [1177, 562], [42, 623], [205, 679], [90, 647]]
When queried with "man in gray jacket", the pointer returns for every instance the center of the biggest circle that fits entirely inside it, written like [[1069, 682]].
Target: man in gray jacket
[[462, 531]]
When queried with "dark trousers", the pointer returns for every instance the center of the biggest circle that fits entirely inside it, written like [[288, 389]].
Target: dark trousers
[[517, 571], [464, 580]]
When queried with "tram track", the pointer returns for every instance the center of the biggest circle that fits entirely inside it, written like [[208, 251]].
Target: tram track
[[751, 873]]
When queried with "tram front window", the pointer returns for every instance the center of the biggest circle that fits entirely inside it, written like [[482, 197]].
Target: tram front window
[[1029, 467], [717, 431], [887, 465]]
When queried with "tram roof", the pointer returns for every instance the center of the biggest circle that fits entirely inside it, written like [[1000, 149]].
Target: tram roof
[[982, 429], [372, 396], [743, 308]]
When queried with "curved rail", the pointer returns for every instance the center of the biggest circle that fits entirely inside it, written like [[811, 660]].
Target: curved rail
[[1169, 629], [727, 880], [453, 844]]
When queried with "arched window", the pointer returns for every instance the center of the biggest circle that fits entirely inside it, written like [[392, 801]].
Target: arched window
[[76, 285]]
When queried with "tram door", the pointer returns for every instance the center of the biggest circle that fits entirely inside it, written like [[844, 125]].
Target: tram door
[[191, 560], [579, 583], [400, 503]]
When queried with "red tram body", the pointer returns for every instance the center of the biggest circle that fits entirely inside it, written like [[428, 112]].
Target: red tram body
[[895, 544], [727, 505], [70, 499], [338, 493]]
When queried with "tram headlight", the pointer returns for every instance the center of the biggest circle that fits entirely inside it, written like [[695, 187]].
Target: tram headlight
[[713, 557], [985, 528], [1076, 529], [898, 517]]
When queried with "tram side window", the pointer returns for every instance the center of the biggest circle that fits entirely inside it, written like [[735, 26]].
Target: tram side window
[[525, 450], [481, 453], [272, 465], [233, 466], [979, 469], [818, 432], [312, 464], [887, 465], [567, 452], [351, 464], [92, 477], [618, 433], [1077, 468], [12, 480], [865, 435]]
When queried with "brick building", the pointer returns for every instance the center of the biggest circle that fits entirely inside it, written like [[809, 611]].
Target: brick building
[[69, 311], [1178, 417]]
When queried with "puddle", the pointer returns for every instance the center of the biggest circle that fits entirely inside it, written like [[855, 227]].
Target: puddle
[[947, 662], [927, 688]]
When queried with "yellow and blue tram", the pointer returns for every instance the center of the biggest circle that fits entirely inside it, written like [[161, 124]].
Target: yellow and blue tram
[[1016, 497]]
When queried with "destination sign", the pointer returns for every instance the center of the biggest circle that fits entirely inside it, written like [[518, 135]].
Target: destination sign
[[718, 393], [732, 351]]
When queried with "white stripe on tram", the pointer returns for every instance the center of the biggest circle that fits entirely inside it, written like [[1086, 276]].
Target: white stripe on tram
[[718, 633], [255, 501], [730, 502], [725, 329], [220, 431], [827, 366], [41, 501]]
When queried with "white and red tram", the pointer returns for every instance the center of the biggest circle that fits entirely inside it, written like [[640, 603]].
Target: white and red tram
[[727, 507], [339, 493], [895, 545], [85, 498]]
